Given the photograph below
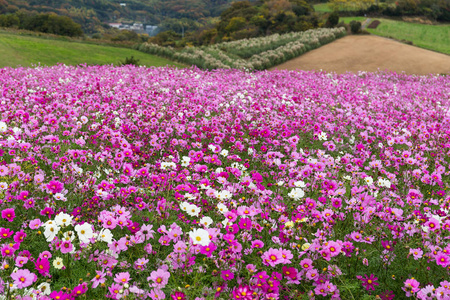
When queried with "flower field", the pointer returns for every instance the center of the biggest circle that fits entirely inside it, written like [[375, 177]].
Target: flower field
[[251, 54], [158, 183]]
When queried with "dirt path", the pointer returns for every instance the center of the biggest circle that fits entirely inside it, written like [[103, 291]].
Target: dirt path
[[369, 53]]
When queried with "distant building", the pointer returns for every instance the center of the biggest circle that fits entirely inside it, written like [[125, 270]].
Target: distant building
[[136, 27], [115, 25], [151, 30], [123, 4]]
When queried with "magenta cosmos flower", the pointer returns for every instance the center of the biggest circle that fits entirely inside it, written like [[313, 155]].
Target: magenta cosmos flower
[[227, 275], [23, 278], [9, 214], [242, 293], [369, 282], [42, 266], [55, 186]]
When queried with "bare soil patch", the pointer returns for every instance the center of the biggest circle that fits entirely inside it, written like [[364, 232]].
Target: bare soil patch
[[374, 24], [370, 53]]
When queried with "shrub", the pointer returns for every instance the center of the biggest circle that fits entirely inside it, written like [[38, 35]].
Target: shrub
[[130, 61], [333, 19], [355, 26]]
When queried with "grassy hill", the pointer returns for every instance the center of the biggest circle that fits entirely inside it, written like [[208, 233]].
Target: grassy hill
[[432, 37], [17, 50]]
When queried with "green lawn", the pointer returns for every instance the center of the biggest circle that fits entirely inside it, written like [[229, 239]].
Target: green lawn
[[432, 37], [322, 7], [17, 50]]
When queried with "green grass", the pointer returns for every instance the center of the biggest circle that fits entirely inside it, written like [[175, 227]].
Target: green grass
[[322, 7], [432, 37], [25, 51]]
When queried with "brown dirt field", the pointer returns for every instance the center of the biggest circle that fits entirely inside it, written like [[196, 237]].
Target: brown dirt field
[[369, 53]]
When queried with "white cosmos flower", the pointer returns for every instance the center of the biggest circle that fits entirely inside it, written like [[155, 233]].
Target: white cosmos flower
[[58, 263], [224, 152], [69, 236], [3, 186], [300, 184], [63, 219], [44, 288], [59, 196], [296, 193], [185, 161], [105, 235], [193, 210], [222, 208], [3, 127], [368, 180], [85, 232], [84, 119], [200, 237], [50, 231], [224, 194], [206, 221], [184, 206]]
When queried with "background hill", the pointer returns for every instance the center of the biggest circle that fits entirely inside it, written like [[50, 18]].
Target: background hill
[[93, 14]]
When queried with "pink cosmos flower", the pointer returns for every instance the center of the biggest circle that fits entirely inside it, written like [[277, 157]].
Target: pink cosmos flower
[[20, 236], [411, 286], [5, 233], [7, 251], [55, 186], [66, 247], [208, 250], [160, 278], [157, 294], [23, 278], [35, 224], [8, 214], [140, 263], [98, 279], [257, 244], [21, 260], [442, 259], [433, 224], [242, 293], [178, 296], [42, 266], [45, 254], [312, 274], [114, 289], [227, 275], [306, 264], [368, 282], [122, 277], [79, 290], [334, 248], [416, 252], [272, 257], [290, 272]]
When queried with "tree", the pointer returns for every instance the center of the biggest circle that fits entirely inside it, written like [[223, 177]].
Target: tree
[[235, 24], [333, 19]]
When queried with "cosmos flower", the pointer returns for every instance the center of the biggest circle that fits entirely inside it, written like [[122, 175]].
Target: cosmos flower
[[23, 278], [199, 237], [368, 282]]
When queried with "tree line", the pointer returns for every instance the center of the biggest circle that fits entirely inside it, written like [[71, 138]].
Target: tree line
[[43, 22]]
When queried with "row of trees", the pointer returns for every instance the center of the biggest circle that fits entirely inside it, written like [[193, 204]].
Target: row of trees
[[438, 10], [245, 19], [44, 22]]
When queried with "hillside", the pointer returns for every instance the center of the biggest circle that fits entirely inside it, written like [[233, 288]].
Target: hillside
[[91, 13], [370, 53], [16, 50]]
